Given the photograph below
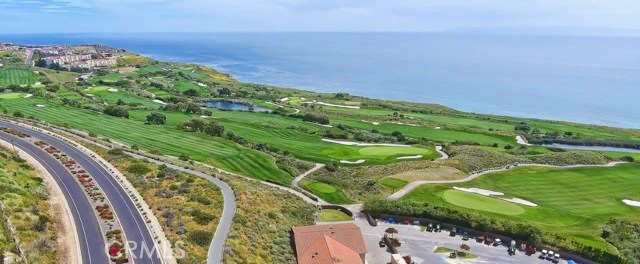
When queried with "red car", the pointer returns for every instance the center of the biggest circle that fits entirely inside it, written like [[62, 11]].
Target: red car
[[406, 222]]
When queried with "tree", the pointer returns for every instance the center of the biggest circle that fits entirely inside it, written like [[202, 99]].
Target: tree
[[522, 127], [214, 128], [391, 231], [18, 114], [120, 102], [117, 111], [192, 108], [191, 92], [156, 118], [465, 247]]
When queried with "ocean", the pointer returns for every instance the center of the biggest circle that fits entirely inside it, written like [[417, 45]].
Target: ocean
[[583, 79]]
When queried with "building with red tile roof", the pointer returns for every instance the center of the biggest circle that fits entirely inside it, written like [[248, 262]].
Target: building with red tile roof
[[329, 244]]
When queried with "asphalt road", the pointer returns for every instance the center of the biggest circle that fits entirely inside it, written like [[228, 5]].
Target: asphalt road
[[143, 246], [87, 226]]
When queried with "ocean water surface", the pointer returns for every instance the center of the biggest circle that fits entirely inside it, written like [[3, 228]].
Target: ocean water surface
[[574, 78]]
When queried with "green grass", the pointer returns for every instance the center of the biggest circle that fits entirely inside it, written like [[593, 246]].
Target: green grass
[[575, 202], [167, 139], [109, 78], [331, 215], [430, 133], [11, 95], [481, 202], [275, 131], [17, 76], [325, 191], [102, 93], [449, 250], [393, 183]]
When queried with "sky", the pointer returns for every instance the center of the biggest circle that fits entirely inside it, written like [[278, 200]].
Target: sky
[[66, 16]]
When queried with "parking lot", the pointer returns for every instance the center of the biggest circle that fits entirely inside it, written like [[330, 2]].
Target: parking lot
[[421, 245]]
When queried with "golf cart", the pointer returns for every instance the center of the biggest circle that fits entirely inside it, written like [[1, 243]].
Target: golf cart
[[550, 255], [430, 227], [544, 253], [453, 232], [453, 255], [556, 258], [382, 244], [497, 242], [512, 248]]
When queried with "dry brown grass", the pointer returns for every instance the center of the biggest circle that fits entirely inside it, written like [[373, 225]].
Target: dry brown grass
[[431, 174]]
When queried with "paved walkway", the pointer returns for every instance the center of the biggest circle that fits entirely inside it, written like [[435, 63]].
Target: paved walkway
[[409, 187], [443, 155]]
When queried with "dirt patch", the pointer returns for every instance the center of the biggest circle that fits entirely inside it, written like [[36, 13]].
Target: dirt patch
[[431, 174], [126, 69]]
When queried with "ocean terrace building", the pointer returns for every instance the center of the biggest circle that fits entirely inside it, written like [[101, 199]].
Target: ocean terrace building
[[329, 244]]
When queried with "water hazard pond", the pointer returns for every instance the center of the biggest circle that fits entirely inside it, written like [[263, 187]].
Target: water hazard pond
[[234, 106]]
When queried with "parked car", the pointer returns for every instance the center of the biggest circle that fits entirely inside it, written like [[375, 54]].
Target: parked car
[[465, 237], [497, 242], [453, 232], [382, 244], [453, 255], [406, 222], [416, 222]]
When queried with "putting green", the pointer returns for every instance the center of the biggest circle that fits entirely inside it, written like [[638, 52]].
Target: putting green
[[322, 187], [482, 203], [391, 151], [11, 95]]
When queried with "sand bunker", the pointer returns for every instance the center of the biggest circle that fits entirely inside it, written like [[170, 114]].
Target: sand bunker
[[90, 95], [39, 105], [352, 162], [520, 201], [521, 141], [374, 123], [284, 99], [334, 105], [479, 191], [200, 84], [113, 90], [159, 102], [631, 202], [349, 143], [28, 95], [493, 193], [410, 157], [437, 127]]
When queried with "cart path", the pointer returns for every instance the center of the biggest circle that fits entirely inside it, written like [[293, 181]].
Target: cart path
[[443, 155], [409, 187]]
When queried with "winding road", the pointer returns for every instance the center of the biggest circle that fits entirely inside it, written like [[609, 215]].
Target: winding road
[[133, 224], [87, 225]]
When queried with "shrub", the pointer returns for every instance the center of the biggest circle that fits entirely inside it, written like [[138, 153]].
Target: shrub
[[138, 169], [200, 237]]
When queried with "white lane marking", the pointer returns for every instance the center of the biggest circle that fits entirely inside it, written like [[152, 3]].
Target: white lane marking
[[118, 190], [73, 201]]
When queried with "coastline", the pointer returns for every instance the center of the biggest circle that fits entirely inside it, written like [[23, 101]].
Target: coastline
[[235, 53]]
